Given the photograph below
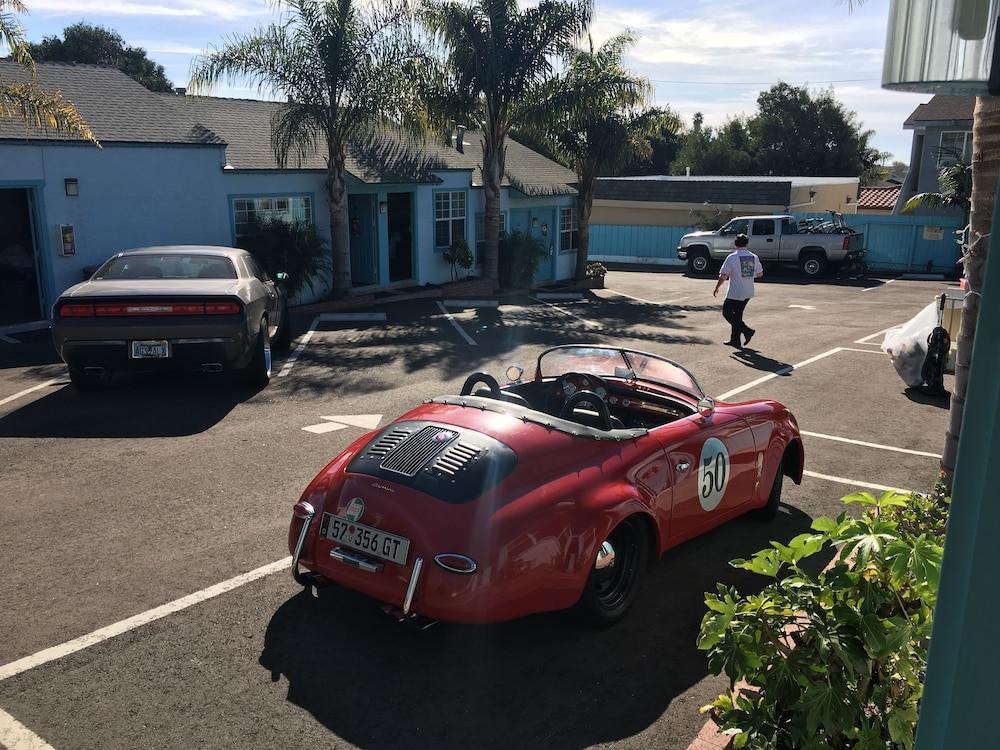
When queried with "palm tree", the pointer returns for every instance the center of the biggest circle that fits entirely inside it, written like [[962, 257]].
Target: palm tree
[[26, 99], [600, 123], [955, 180], [493, 56], [344, 68]]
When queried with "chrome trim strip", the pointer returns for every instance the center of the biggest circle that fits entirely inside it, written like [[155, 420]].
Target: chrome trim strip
[[344, 555], [299, 544], [461, 571], [411, 588]]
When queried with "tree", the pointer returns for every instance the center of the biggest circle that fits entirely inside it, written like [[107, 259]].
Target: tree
[[598, 123], [26, 99], [664, 143], [728, 150], [955, 180], [96, 45], [343, 68], [493, 57]]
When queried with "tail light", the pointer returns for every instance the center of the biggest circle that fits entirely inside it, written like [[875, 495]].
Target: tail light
[[148, 308], [847, 242], [222, 308], [76, 311]]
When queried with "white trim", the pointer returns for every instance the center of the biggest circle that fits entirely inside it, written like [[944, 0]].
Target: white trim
[[855, 483], [469, 340], [53, 653], [300, 347], [26, 391], [15, 736], [869, 445]]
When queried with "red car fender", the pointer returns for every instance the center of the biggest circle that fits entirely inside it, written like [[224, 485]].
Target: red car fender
[[775, 432]]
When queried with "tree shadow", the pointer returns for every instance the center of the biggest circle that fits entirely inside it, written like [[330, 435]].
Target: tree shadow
[[546, 680], [754, 359], [140, 406]]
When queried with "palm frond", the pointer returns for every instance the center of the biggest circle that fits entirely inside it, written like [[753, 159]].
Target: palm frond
[[927, 200], [43, 109], [12, 33]]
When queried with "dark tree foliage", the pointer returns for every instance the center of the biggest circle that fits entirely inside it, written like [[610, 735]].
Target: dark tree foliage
[[96, 45], [665, 144]]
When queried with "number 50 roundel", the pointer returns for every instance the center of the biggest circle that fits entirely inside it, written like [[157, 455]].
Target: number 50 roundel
[[713, 473]]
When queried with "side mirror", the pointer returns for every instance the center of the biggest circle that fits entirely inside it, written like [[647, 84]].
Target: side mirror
[[706, 407], [514, 373], [281, 276]]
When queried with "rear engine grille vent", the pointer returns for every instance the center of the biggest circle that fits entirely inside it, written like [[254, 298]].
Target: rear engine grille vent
[[384, 445], [454, 460], [409, 457]]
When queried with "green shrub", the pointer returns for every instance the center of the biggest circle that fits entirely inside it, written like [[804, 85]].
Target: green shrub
[[596, 270], [833, 659], [520, 255], [459, 256], [293, 248]]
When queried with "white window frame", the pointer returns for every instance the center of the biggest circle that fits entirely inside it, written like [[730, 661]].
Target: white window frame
[[270, 207], [569, 224], [447, 211], [966, 147]]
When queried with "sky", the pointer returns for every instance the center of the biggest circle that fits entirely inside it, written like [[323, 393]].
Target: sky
[[709, 56]]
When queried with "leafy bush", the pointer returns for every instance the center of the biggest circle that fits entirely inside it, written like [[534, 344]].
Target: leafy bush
[[596, 270], [459, 256], [833, 659], [520, 255], [293, 248]]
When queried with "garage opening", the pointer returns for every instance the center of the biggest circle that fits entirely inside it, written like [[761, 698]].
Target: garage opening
[[19, 297]]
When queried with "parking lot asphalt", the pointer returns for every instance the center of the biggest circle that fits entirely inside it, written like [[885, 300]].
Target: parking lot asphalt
[[119, 502]]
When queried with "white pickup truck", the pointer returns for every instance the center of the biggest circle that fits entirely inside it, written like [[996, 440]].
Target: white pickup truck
[[814, 245]]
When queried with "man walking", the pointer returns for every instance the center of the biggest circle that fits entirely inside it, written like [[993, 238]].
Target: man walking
[[739, 269]]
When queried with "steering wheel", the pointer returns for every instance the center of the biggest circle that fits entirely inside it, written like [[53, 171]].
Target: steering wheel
[[591, 398], [570, 383], [481, 377]]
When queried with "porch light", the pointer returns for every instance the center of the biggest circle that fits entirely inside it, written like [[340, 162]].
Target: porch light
[[534, 222], [383, 206], [943, 47], [72, 187]]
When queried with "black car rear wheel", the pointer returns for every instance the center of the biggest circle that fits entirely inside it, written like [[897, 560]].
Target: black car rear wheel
[[283, 338], [611, 590], [258, 370], [769, 511]]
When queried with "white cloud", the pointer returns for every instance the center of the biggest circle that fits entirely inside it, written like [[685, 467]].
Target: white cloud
[[222, 9]]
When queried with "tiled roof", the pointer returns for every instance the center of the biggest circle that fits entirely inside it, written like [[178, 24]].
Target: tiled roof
[[942, 108], [742, 191], [878, 197], [119, 110]]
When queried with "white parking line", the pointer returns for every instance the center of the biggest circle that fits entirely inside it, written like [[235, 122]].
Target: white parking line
[[590, 325], [863, 351], [776, 374], [649, 301], [471, 341], [870, 336], [870, 445], [15, 736], [99, 636], [8, 339], [301, 347], [868, 289], [26, 391], [855, 483]]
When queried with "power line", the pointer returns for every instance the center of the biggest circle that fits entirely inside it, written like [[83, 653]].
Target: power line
[[761, 83]]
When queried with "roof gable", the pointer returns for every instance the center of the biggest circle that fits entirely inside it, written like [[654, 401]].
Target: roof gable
[[942, 109]]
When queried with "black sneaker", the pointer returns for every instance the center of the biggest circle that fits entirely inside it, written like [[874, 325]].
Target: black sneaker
[[749, 336], [734, 343]]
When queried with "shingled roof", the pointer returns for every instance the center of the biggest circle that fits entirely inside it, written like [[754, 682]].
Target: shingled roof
[[119, 110], [679, 190], [942, 109]]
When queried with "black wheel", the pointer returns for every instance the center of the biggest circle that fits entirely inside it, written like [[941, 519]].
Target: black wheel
[[813, 265], [610, 590], [258, 370], [85, 381], [283, 338], [699, 261], [769, 511]]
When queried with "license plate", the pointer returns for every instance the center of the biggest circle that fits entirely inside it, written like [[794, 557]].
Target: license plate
[[365, 539], [150, 349]]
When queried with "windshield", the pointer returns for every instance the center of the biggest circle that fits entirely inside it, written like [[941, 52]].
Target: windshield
[[169, 266], [617, 363]]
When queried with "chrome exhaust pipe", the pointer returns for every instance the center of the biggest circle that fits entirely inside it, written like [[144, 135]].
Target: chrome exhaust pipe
[[211, 367]]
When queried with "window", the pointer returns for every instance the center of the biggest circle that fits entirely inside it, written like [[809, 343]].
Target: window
[[256, 269], [569, 230], [736, 226], [789, 226], [248, 210], [954, 143], [763, 227], [167, 266], [481, 231], [449, 218]]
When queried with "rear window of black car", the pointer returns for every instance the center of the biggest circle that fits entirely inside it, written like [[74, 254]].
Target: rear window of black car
[[173, 266]]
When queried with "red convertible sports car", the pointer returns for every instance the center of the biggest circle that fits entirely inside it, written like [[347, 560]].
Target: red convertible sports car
[[541, 495]]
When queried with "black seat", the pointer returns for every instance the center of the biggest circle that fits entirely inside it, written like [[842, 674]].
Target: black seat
[[589, 418]]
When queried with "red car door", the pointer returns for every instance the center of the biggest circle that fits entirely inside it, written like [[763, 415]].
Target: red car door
[[713, 462]]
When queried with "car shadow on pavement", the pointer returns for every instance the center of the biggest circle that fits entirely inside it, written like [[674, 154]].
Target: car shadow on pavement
[[139, 407], [543, 681], [754, 359]]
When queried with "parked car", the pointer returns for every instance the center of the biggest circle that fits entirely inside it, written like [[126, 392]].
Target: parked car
[[178, 307], [778, 238], [544, 494]]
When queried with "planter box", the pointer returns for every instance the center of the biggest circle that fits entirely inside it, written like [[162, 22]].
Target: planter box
[[595, 283]]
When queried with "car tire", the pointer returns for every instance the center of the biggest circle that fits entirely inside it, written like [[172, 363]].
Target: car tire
[[699, 262], [258, 371], [609, 593], [283, 338], [813, 265], [770, 510], [84, 381]]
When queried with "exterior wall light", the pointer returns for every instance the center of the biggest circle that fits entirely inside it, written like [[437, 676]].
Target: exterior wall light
[[943, 47], [383, 207], [534, 222], [72, 186]]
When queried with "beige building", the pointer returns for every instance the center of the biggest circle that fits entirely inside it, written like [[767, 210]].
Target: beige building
[[686, 201]]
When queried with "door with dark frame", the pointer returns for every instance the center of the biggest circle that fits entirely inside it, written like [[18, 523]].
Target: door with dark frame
[[400, 236], [19, 297]]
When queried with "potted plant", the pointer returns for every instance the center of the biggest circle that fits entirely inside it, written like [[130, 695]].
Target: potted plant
[[595, 275]]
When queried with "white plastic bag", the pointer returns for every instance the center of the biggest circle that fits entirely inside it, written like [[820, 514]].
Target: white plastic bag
[[907, 345]]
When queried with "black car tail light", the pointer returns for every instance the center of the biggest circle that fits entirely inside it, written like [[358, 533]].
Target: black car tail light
[[71, 310], [222, 308]]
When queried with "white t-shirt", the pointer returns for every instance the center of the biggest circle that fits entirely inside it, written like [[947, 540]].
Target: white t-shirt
[[741, 267]]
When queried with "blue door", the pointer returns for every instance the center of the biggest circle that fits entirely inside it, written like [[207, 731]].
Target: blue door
[[540, 224], [364, 240]]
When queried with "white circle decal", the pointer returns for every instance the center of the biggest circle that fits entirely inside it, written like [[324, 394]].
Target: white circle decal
[[713, 474]]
